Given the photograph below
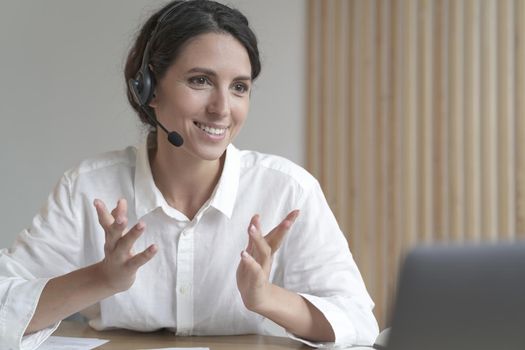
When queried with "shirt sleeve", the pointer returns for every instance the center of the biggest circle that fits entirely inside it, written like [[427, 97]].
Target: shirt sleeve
[[317, 264], [49, 247]]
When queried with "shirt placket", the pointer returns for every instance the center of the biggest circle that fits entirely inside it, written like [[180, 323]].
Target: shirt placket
[[184, 286]]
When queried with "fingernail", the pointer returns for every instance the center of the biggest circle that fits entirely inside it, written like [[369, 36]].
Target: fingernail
[[244, 254], [140, 225], [252, 229], [119, 220]]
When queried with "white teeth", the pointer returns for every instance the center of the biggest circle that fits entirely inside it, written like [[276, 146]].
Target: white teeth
[[209, 130]]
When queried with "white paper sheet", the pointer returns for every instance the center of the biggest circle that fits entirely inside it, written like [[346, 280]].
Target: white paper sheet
[[180, 349], [70, 343]]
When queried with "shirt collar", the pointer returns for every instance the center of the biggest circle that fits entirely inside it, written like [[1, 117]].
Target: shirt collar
[[223, 198], [148, 197]]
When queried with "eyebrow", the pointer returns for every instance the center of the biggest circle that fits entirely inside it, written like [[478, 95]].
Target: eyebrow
[[213, 74]]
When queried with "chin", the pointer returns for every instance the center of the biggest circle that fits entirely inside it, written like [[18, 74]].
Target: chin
[[210, 155]]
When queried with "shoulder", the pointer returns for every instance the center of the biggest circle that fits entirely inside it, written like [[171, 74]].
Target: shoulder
[[108, 162], [275, 166]]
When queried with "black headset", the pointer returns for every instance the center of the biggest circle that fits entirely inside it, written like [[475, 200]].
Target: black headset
[[142, 87]]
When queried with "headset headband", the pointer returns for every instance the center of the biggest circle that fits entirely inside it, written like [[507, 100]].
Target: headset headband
[[162, 18]]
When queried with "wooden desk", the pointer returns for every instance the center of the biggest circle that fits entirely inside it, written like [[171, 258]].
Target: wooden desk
[[129, 340]]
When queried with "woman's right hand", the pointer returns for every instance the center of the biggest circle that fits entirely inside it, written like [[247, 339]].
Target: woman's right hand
[[120, 264]]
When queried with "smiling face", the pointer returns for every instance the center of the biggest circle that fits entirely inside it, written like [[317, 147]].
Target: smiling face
[[205, 95]]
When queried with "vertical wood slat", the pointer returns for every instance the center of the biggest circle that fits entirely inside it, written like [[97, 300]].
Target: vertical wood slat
[[488, 119], [396, 242], [344, 123], [384, 154], [410, 149], [441, 194], [472, 122], [356, 125], [337, 111], [519, 93], [505, 120], [325, 129], [415, 123], [426, 114], [369, 174], [456, 121]]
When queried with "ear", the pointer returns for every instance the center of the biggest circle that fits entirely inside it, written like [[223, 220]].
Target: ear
[[153, 102]]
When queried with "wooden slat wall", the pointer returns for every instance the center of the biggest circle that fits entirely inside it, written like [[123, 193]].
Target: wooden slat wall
[[416, 126]]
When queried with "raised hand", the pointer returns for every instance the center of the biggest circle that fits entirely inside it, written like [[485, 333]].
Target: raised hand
[[120, 264], [256, 261]]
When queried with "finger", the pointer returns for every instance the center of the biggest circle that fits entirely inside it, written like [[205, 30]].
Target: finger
[[140, 259], [249, 263], [275, 237], [119, 225], [121, 211], [107, 221], [126, 242], [104, 217], [249, 247], [120, 219], [261, 251]]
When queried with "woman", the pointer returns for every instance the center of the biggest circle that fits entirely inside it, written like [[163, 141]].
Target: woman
[[204, 238]]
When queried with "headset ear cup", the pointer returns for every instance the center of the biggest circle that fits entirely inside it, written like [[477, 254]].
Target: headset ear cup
[[148, 86], [142, 87]]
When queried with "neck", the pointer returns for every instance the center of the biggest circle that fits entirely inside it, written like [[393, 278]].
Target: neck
[[185, 181]]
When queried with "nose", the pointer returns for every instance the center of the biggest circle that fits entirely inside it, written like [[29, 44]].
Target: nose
[[219, 103]]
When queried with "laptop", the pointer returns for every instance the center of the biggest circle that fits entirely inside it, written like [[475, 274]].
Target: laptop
[[461, 298]]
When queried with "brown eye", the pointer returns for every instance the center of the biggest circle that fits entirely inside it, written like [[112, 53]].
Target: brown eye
[[240, 88], [199, 80]]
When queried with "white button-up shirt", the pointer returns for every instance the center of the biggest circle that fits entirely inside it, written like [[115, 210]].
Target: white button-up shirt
[[190, 285]]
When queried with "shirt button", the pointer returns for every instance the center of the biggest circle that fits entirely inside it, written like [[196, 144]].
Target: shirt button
[[184, 289]]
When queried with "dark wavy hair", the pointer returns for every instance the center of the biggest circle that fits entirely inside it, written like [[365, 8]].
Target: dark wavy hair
[[189, 19]]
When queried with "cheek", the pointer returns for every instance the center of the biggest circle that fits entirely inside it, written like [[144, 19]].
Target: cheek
[[240, 111], [182, 105], [239, 118]]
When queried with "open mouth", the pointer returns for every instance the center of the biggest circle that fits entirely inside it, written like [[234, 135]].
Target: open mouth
[[210, 130]]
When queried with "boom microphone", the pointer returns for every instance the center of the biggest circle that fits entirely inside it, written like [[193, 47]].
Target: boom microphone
[[173, 137]]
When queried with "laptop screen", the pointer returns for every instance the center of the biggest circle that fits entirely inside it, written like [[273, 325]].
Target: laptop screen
[[468, 297]]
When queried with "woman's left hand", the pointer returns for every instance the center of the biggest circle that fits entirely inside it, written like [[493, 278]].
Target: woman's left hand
[[254, 269]]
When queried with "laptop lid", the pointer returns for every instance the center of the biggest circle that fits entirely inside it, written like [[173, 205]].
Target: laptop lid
[[468, 297]]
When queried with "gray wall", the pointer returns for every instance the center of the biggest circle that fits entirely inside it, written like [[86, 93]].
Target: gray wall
[[62, 93]]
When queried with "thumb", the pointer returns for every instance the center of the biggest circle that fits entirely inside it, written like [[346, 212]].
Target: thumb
[[275, 237]]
